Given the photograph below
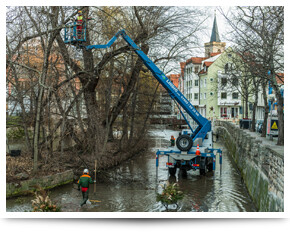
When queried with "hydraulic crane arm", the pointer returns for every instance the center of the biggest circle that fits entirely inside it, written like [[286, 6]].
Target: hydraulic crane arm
[[204, 125]]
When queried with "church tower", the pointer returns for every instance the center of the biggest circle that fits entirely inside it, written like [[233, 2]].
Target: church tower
[[215, 45]]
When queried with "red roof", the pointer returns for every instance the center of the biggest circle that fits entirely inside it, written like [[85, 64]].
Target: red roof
[[195, 60], [214, 54], [208, 63]]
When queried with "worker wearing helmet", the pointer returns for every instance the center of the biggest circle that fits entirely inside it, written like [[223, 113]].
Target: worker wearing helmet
[[79, 21], [84, 182], [172, 140]]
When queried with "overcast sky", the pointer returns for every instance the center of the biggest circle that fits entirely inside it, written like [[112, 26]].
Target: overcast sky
[[222, 24]]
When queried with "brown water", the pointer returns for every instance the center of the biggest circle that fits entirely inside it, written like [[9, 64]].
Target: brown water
[[132, 187]]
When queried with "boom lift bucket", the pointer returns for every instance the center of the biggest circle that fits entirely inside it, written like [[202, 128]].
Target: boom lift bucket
[[72, 35]]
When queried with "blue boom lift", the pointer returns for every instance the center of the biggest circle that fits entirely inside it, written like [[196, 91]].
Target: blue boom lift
[[194, 147]]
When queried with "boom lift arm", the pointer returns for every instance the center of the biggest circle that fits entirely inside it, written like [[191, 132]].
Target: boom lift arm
[[204, 125]]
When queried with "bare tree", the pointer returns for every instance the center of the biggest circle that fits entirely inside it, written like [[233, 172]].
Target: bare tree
[[260, 31], [163, 33], [27, 34], [148, 26]]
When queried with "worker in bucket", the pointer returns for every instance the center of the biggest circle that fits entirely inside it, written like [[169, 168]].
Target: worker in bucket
[[172, 140], [84, 182], [79, 21]]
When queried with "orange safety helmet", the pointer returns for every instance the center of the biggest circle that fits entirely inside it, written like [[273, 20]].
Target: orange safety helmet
[[80, 12]]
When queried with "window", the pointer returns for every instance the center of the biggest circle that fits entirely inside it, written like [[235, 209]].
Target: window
[[211, 93], [196, 83], [204, 82], [235, 96], [229, 67], [234, 112], [201, 96], [196, 69], [204, 95], [224, 81], [195, 96], [235, 81], [211, 79], [224, 112], [223, 95]]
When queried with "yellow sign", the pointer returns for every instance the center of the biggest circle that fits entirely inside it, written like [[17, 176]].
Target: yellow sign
[[274, 126]]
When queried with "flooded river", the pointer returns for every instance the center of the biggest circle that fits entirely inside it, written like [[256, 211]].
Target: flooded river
[[132, 187]]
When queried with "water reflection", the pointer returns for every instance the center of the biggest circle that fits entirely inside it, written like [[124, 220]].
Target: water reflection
[[132, 187]]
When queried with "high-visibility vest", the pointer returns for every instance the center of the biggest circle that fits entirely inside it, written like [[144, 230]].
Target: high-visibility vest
[[80, 19]]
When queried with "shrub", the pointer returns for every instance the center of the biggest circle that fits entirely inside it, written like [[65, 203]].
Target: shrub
[[170, 194], [15, 133], [42, 203]]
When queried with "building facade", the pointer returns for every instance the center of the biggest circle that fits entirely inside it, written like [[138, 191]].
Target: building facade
[[205, 81]]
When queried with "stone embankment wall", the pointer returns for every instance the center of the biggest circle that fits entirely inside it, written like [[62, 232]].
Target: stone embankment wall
[[47, 182], [261, 167]]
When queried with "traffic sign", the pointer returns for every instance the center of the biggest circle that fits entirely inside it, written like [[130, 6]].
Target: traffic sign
[[274, 124]]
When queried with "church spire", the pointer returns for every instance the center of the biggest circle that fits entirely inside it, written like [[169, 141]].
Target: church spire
[[215, 33], [215, 45]]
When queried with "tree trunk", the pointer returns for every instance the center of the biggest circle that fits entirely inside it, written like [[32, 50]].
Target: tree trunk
[[129, 88], [92, 120], [253, 129], [142, 131], [280, 111], [132, 123], [266, 113], [246, 107], [280, 102], [37, 125], [124, 138]]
